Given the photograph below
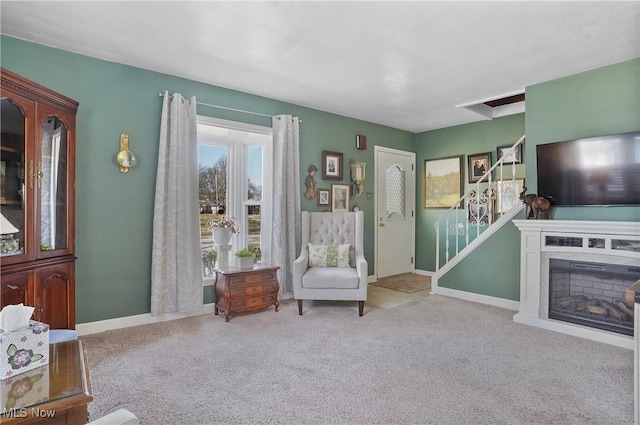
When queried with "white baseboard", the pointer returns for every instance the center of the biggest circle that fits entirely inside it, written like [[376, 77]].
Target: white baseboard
[[147, 318], [478, 298], [139, 319]]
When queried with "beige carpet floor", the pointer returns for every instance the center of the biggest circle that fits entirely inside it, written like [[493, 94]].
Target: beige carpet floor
[[435, 360], [406, 282]]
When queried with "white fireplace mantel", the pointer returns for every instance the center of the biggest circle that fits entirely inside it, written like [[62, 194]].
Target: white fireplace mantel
[[630, 228], [596, 241]]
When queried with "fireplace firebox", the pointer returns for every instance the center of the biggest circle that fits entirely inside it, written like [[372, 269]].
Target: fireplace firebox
[[592, 294]]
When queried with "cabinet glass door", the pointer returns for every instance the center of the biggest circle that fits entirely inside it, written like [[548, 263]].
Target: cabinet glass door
[[12, 180], [52, 184]]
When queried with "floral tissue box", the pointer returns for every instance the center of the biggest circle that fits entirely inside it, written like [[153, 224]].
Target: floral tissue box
[[24, 350], [26, 389]]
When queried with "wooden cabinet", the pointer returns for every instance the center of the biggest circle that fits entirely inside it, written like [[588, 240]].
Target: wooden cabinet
[[239, 290], [37, 199], [15, 289]]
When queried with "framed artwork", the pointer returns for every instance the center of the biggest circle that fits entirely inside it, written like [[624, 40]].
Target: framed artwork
[[324, 197], [331, 165], [510, 156], [442, 182], [479, 211], [508, 194], [339, 198], [478, 164]]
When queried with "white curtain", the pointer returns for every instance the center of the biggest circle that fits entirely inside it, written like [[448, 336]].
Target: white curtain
[[285, 239], [176, 272]]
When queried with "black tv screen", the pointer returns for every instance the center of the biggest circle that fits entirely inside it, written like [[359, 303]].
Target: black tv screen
[[601, 170]]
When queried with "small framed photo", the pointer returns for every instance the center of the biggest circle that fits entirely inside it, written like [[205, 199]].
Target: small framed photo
[[478, 164], [339, 198], [479, 211], [511, 156], [331, 165], [324, 197], [508, 194]]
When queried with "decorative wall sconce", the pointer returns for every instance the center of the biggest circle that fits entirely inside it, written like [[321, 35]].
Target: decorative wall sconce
[[361, 142], [125, 158], [357, 176]]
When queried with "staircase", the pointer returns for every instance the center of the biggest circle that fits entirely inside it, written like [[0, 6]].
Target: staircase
[[470, 222]]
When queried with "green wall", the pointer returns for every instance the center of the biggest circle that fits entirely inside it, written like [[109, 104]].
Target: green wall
[[467, 139], [114, 211], [594, 103], [597, 102]]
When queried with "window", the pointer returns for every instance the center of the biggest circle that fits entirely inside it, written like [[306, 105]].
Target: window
[[234, 167]]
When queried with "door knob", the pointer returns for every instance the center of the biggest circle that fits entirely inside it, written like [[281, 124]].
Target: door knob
[[381, 224]]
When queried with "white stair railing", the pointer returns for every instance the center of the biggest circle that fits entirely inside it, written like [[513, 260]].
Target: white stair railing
[[474, 212]]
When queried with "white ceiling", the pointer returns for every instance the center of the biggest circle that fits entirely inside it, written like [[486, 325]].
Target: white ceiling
[[402, 64]]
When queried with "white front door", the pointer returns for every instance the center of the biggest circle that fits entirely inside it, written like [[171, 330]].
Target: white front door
[[395, 211]]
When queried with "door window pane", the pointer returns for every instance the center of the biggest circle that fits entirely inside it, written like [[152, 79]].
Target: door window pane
[[396, 203]]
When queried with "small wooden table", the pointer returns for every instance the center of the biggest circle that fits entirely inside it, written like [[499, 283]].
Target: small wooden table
[[57, 393], [238, 290]]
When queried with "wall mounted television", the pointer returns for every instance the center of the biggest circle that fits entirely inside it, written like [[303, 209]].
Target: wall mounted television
[[602, 170]]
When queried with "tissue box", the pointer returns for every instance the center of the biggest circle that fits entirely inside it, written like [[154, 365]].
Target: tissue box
[[24, 350], [26, 389]]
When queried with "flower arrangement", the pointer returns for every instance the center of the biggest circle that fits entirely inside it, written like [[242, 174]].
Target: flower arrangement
[[257, 252], [225, 222], [244, 252], [244, 258]]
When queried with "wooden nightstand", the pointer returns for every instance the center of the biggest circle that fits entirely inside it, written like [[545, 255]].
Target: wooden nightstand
[[238, 290]]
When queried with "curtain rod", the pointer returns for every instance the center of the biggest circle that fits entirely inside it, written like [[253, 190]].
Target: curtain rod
[[231, 109]]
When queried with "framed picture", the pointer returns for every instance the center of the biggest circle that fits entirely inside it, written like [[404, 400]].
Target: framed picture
[[479, 211], [324, 197], [442, 182], [510, 156], [339, 198], [331, 165], [508, 194], [478, 164]]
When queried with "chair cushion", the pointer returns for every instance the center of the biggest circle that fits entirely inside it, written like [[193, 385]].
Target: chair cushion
[[329, 255], [61, 335], [330, 278]]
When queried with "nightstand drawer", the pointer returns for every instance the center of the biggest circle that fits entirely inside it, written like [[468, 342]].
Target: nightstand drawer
[[266, 288], [255, 302], [252, 278]]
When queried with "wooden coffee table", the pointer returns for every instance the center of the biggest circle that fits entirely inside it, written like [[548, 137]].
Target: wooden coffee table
[[239, 290], [57, 393]]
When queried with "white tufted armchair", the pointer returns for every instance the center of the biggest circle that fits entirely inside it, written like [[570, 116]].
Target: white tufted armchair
[[331, 283]]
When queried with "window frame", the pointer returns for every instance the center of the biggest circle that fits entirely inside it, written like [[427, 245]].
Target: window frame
[[237, 182]]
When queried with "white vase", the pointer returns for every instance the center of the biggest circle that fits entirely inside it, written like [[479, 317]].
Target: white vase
[[221, 236], [244, 262]]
